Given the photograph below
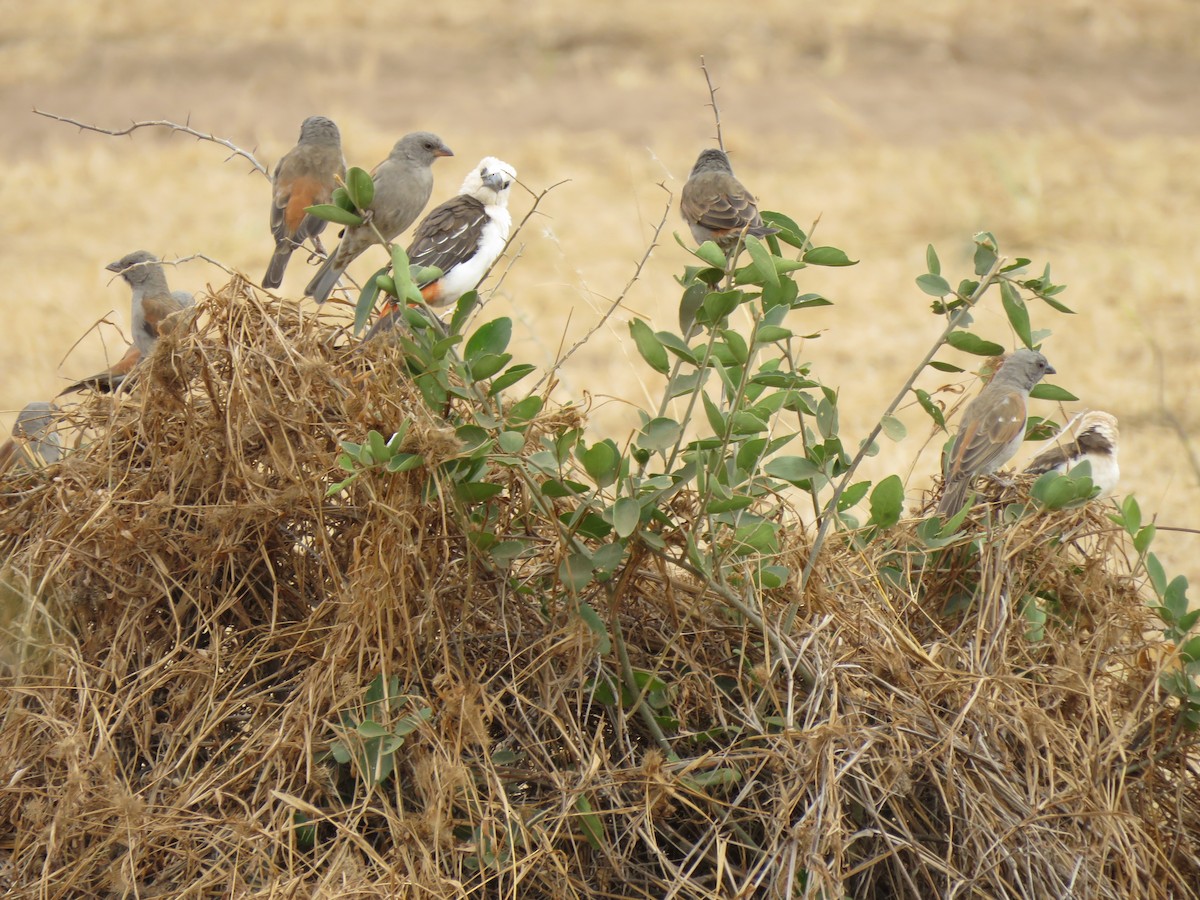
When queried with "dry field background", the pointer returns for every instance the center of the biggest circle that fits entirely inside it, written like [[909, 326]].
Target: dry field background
[[1069, 130]]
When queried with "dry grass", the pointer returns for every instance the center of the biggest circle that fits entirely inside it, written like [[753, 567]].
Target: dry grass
[[187, 616], [897, 123], [166, 709]]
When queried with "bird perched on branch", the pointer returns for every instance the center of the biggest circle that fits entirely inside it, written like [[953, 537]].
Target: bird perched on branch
[[716, 206], [153, 301], [403, 183], [305, 176], [1095, 442], [462, 237], [33, 437], [993, 426]]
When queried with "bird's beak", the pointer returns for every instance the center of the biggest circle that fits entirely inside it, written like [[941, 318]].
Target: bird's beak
[[495, 180], [443, 151], [1050, 370], [115, 267]]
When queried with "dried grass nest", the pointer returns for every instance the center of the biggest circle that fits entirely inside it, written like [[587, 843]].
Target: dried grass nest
[[186, 616]]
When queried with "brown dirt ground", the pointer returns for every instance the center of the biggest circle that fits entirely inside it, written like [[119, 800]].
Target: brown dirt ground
[[1070, 133]]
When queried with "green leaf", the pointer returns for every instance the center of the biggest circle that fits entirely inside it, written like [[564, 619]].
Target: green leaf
[[403, 462], [1144, 538], [894, 428], [505, 552], [716, 419], [626, 514], [511, 441], [793, 469], [828, 256], [970, 343], [932, 409], [985, 253], [1051, 392], [330, 213], [887, 502], [593, 621], [689, 305], [769, 334], [511, 376], [763, 263], [485, 365], [360, 188], [1018, 315], [712, 254], [477, 491], [575, 572], [652, 350], [402, 275], [524, 410], [932, 262], [601, 462], [757, 537], [1158, 577], [945, 367], [718, 305], [491, 337], [366, 301], [827, 419], [737, 346], [934, 285], [659, 434], [590, 824]]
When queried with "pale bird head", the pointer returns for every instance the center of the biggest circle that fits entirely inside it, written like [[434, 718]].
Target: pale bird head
[[490, 181]]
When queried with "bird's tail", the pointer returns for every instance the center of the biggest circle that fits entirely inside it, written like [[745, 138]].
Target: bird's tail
[[278, 265], [323, 282], [953, 495], [763, 230]]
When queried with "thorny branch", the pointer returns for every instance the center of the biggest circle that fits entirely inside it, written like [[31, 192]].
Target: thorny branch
[[616, 304], [164, 123]]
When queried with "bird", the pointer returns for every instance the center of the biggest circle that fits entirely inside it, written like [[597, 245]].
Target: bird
[[33, 437], [462, 237], [993, 426], [153, 301], [305, 176], [1095, 442], [403, 183], [716, 206]]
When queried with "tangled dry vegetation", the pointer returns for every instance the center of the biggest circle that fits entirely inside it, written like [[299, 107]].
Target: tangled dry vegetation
[[190, 626]]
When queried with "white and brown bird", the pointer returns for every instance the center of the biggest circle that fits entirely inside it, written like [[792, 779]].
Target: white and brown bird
[[33, 437], [1090, 437], [993, 426], [403, 183], [716, 206], [305, 176], [462, 237], [152, 302]]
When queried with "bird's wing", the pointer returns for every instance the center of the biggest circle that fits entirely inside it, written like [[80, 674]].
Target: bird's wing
[[1058, 456], [988, 434], [450, 234], [719, 204]]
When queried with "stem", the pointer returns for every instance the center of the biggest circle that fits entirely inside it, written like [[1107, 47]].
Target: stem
[[827, 517]]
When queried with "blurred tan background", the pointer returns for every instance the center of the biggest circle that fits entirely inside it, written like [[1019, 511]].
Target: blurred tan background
[[1070, 130]]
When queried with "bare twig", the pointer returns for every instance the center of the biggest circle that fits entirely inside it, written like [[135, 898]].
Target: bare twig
[[1168, 416], [712, 101], [164, 123], [615, 305]]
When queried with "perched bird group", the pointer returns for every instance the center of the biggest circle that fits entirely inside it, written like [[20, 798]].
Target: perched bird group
[[718, 208], [463, 237], [993, 428]]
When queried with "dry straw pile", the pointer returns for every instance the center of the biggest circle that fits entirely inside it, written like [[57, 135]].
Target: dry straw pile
[[190, 627]]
